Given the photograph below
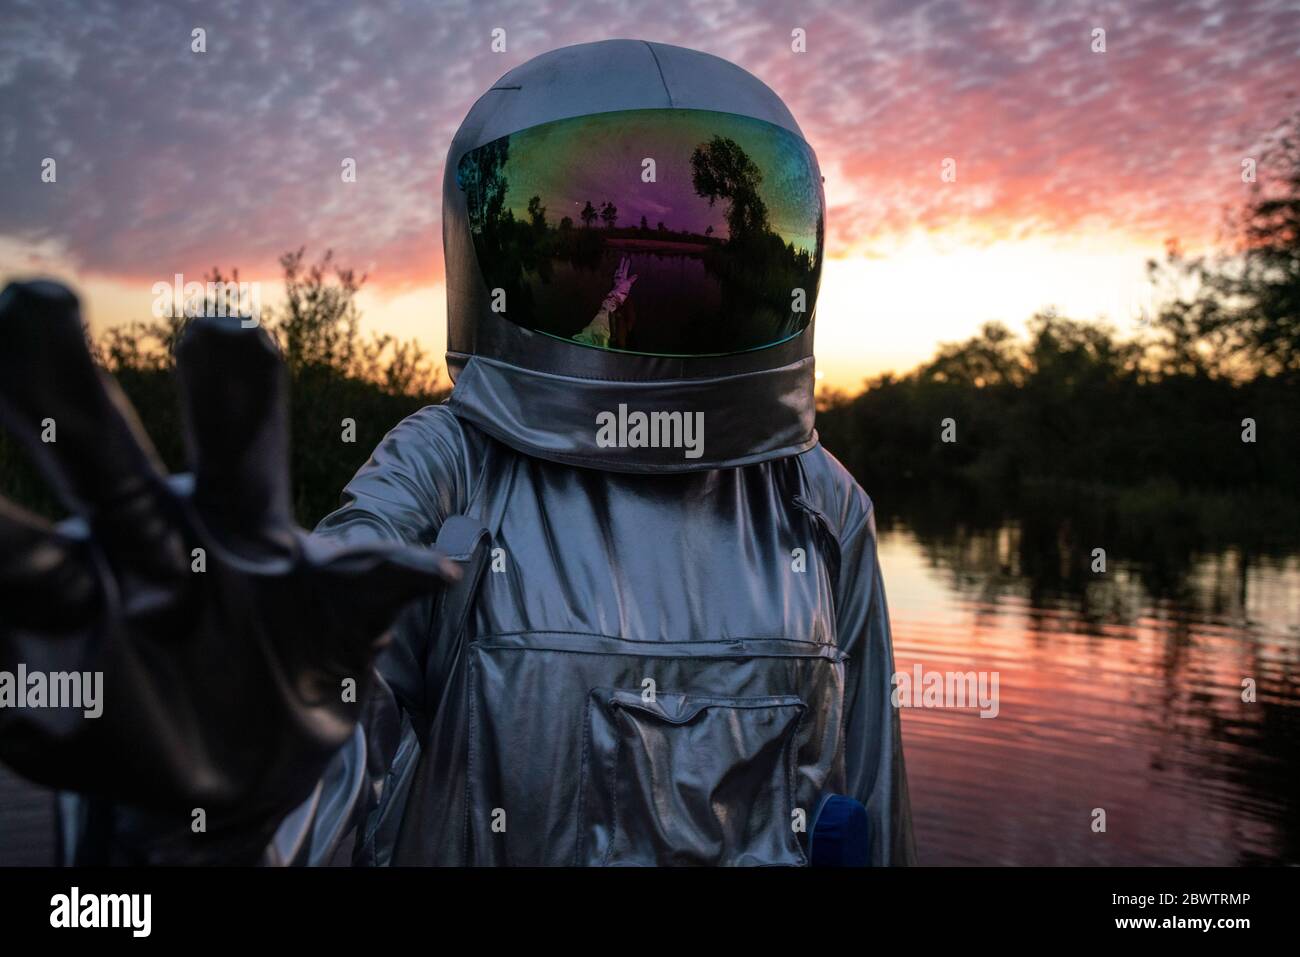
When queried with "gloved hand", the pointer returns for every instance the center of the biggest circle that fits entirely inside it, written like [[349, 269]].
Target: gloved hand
[[225, 671]]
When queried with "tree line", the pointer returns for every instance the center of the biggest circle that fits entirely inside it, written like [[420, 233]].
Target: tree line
[[1205, 397]]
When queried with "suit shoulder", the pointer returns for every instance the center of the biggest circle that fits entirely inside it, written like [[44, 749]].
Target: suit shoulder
[[429, 456], [836, 493], [433, 421], [435, 433]]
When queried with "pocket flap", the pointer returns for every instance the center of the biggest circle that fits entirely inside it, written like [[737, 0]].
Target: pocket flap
[[677, 708]]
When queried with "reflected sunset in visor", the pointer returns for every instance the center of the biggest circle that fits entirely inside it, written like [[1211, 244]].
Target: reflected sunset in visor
[[660, 232]]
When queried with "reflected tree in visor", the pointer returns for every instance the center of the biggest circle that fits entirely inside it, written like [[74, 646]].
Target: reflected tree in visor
[[660, 232]]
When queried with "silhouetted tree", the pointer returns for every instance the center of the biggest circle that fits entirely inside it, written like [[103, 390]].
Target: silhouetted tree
[[1242, 316], [720, 169], [319, 321], [537, 213], [482, 176]]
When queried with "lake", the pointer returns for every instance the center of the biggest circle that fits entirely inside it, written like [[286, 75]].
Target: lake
[[1120, 691]]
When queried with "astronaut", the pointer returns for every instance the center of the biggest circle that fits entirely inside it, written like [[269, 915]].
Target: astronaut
[[513, 644]]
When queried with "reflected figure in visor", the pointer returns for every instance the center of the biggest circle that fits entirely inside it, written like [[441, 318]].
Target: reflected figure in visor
[[611, 604], [597, 332]]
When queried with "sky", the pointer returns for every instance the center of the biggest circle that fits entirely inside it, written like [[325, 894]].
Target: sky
[[1073, 165]]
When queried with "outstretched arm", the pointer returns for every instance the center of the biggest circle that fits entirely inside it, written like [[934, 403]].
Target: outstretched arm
[[597, 332], [235, 649]]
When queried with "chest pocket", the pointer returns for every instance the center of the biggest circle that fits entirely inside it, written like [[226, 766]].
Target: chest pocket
[[593, 750], [691, 779]]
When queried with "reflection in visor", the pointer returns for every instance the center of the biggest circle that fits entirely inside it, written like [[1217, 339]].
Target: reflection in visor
[[664, 232]]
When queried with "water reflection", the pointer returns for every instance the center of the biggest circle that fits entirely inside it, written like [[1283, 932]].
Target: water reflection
[[1120, 691]]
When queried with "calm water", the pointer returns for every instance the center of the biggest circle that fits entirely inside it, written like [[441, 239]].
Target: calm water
[[1119, 691]]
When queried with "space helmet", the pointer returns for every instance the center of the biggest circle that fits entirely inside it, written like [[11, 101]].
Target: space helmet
[[633, 236]]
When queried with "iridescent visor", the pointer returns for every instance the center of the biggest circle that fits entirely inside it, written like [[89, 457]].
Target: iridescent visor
[[659, 232]]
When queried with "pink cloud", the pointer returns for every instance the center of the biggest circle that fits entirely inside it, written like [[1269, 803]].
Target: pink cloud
[[171, 162]]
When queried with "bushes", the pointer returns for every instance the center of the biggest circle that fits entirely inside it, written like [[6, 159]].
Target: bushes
[[334, 374], [1104, 422]]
